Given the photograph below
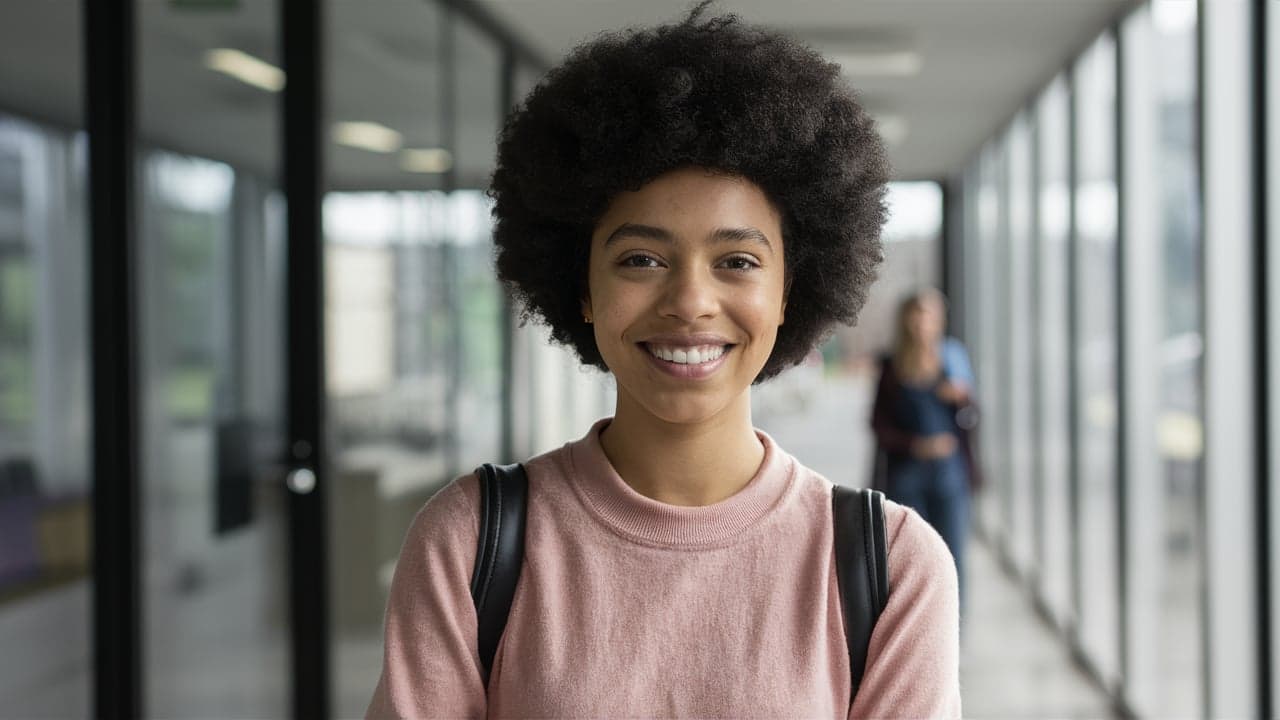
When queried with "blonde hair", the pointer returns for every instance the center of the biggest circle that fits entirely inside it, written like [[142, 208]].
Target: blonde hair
[[903, 341]]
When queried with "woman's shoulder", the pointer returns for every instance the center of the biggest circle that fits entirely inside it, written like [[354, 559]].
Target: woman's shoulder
[[916, 550], [458, 501], [451, 516]]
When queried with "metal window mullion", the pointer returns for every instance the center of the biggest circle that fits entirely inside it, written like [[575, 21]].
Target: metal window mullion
[[303, 115], [1266, 37], [109, 117]]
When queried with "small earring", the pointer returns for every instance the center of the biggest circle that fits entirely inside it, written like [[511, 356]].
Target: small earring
[[586, 319]]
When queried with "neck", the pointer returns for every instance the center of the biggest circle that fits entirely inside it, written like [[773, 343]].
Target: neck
[[689, 464]]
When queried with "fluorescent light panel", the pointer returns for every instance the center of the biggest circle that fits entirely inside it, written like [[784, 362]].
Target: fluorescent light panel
[[893, 128], [898, 63], [369, 136], [245, 68], [426, 160]]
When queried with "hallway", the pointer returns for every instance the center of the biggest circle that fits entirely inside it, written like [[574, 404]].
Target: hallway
[[1012, 665]]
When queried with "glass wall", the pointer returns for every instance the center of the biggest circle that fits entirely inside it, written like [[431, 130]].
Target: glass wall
[[477, 75], [1165, 413], [391, 332], [988, 346], [1105, 302], [1019, 407], [210, 292], [1053, 342], [414, 314], [45, 422], [45, 413], [1097, 353]]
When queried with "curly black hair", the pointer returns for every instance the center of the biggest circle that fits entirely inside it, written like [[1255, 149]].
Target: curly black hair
[[712, 92]]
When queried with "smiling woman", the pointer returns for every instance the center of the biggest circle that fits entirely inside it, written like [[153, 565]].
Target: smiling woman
[[690, 208]]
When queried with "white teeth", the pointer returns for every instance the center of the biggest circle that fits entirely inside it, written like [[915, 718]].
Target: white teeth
[[687, 356]]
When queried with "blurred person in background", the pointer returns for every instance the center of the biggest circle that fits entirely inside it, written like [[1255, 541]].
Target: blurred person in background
[[922, 415], [690, 208]]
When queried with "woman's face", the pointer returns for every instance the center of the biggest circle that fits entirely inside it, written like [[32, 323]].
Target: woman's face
[[924, 320], [686, 292]]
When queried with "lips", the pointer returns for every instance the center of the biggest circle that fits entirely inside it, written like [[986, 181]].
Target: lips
[[687, 356]]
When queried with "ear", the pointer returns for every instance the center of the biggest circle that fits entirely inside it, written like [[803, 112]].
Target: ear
[[786, 293], [585, 305]]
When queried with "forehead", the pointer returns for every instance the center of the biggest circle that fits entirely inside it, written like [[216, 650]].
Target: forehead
[[693, 202]]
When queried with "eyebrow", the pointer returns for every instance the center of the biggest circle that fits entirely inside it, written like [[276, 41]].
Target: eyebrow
[[651, 232]]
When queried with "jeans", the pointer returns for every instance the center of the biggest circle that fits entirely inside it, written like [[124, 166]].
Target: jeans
[[939, 491]]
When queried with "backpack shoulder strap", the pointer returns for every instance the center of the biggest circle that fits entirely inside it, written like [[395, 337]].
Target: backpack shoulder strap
[[504, 490], [862, 569]]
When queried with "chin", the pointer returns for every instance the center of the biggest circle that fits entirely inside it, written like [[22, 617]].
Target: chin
[[685, 408]]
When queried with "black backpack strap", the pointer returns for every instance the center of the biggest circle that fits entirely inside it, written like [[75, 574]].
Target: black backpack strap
[[504, 490], [862, 569]]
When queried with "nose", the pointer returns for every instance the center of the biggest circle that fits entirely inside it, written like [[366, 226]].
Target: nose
[[690, 294]]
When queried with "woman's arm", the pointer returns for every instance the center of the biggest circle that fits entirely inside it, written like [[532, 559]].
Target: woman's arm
[[957, 385], [431, 664], [913, 661]]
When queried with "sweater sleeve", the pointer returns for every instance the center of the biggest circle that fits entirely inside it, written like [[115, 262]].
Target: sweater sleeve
[[913, 661], [431, 662], [892, 438]]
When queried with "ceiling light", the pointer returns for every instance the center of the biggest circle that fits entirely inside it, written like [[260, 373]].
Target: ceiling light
[[245, 68], [367, 136], [426, 160], [893, 128], [896, 63]]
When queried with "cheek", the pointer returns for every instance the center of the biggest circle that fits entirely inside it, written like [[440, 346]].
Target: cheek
[[761, 314]]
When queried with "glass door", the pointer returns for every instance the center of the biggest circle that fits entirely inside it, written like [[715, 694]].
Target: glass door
[[210, 271]]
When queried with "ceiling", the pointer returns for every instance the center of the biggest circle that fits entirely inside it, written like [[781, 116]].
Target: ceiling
[[979, 61]]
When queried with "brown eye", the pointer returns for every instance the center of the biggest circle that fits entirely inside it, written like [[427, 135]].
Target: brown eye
[[639, 261], [740, 262]]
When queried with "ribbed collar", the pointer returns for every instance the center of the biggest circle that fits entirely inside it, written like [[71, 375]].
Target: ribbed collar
[[648, 521]]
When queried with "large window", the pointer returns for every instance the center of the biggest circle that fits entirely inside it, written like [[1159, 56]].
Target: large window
[[1053, 343], [210, 278], [989, 353], [1097, 354], [1164, 413], [1020, 404], [45, 423]]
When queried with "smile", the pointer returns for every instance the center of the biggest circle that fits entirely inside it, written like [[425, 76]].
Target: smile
[[686, 355], [687, 362]]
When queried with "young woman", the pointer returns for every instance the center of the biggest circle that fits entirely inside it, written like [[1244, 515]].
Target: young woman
[[924, 383], [691, 208]]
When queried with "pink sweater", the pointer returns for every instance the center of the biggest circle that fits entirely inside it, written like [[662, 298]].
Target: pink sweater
[[628, 607]]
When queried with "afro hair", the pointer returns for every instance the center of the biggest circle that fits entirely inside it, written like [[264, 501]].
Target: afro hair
[[712, 92]]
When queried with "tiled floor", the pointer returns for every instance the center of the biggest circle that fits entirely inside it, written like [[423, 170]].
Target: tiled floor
[[1012, 665]]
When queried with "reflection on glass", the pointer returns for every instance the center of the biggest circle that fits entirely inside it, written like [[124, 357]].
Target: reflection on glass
[[414, 347], [210, 299], [390, 336], [45, 423], [1097, 354], [1173, 44]]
